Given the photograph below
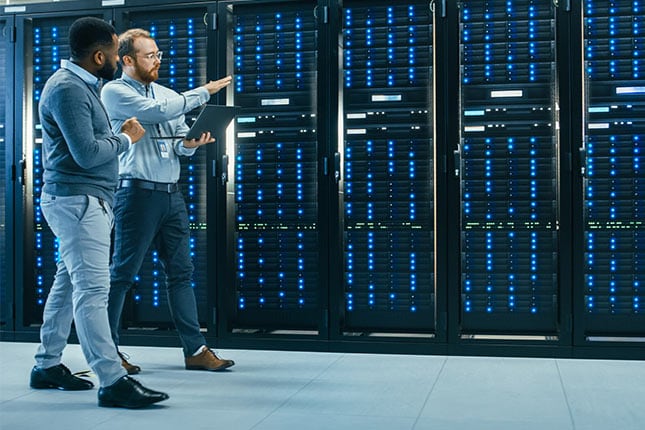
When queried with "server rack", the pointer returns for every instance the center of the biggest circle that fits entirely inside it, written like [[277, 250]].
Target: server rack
[[508, 167], [609, 304], [387, 157], [274, 261], [7, 40], [181, 31], [43, 40], [42, 37]]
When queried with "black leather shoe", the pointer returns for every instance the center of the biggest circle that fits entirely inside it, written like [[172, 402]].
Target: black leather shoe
[[58, 377], [128, 393]]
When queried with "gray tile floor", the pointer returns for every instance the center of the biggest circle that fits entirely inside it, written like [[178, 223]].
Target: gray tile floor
[[306, 390]]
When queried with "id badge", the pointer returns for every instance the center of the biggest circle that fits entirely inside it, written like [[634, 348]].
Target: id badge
[[163, 149]]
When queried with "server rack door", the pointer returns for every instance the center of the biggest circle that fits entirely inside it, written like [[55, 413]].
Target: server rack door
[[273, 209], [6, 161], [613, 192], [182, 34], [44, 42], [387, 181], [508, 168]]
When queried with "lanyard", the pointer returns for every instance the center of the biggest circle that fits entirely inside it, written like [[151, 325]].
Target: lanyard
[[164, 152], [152, 93]]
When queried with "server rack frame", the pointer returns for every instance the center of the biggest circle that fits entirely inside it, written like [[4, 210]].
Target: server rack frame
[[241, 336], [394, 334], [7, 271], [443, 167], [25, 325], [586, 342], [534, 344]]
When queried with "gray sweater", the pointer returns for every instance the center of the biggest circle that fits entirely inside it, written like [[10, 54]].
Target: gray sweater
[[79, 149]]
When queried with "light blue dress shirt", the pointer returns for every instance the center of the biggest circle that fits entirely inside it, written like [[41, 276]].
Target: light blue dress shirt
[[161, 113]]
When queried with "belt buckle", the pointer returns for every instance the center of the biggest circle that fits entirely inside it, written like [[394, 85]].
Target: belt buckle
[[171, 188]]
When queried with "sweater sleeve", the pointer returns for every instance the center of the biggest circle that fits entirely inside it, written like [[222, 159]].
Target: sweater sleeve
[[73, 114]]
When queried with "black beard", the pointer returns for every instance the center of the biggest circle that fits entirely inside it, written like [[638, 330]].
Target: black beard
[[106, 72]]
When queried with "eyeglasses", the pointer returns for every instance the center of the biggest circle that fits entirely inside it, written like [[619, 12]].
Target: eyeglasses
[[151, 56]]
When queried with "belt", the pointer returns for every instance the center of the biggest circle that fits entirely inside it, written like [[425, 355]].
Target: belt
[[149, 185]]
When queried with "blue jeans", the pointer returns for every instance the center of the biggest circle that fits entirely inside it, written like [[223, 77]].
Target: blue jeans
[[144, 218], [82, 224]]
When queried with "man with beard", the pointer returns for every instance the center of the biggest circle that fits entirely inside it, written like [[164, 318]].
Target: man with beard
[[80, 175], [149, 207]]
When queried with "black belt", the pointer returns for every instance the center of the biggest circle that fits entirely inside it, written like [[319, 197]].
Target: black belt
[[149, 185]]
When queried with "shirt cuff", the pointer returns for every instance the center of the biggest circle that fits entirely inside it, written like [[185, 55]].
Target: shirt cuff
[[204, 95], [188, 152], [129, 139]]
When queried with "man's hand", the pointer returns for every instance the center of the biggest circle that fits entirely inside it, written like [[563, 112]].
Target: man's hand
[[215, 86], [203, 140], [133, 128]]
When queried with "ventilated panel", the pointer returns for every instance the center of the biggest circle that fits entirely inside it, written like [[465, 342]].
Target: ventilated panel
[[5, 91], [614, 180], [508, 169], [387, 169], [275, 165]]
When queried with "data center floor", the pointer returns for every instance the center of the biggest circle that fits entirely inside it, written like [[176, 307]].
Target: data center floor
[[294, 390]]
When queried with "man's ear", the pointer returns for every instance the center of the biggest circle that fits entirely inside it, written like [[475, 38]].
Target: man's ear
[[127, 60], [99, 57]]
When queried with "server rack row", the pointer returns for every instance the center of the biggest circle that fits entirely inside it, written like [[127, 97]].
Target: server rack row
[[375, 190]]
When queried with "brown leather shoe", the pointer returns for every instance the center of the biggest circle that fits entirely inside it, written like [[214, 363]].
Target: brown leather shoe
[[207, 360], [132, 369]]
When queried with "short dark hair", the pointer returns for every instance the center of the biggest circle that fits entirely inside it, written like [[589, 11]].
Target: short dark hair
[[87, 34]]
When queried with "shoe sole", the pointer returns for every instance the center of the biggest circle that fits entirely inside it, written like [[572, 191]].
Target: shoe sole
[[57, 387], [119, 405], [45, 386], [216, 369]]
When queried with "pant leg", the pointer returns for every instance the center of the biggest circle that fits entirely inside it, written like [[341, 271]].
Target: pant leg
[[137, 216], [83, 227], [173, 245], [57, 319]]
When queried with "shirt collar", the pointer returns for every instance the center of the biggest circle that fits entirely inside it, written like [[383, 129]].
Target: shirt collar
[[86, 76], [139, 86]]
